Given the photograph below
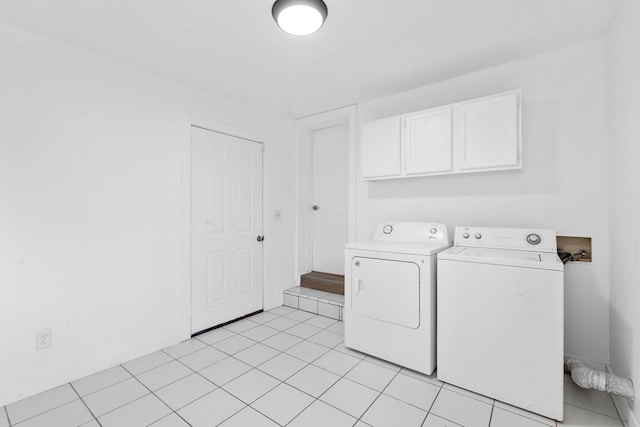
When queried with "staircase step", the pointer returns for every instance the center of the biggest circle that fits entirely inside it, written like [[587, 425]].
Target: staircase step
[[326, 282], [317, 302]]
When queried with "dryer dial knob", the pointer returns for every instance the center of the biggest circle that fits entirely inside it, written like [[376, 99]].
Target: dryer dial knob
[[465, 235], [433, 230], [534, 239], [478, 236], [387, 229]]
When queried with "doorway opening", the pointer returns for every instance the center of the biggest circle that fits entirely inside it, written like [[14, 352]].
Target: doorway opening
[[326, 197]]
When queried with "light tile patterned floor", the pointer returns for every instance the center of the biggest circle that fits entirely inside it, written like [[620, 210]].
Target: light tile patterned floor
[[282, 367]]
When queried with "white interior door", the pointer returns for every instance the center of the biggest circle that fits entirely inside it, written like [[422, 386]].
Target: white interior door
[[226, 220], [330, 196]]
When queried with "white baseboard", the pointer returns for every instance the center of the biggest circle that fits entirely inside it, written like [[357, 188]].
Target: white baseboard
[[624, 409]]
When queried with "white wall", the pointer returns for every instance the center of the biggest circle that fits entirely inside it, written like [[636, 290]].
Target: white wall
[[624, 209], [90, 208], [563, 183]]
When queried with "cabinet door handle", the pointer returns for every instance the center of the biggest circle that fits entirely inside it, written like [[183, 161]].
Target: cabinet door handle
[[260, 238]]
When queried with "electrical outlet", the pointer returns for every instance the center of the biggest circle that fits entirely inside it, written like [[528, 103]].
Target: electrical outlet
[[43, 339]]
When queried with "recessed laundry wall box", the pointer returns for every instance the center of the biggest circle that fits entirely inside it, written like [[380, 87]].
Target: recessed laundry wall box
[[482, 134]]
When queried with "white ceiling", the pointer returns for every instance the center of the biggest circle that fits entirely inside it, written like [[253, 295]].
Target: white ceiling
[[367, 48]]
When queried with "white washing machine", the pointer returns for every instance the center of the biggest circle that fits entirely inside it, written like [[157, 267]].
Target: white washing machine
[[390, 293], [501, 316]]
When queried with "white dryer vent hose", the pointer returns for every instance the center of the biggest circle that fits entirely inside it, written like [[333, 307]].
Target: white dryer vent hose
[[587, 377]]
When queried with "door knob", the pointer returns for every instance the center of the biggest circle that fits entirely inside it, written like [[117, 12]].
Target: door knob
[[260, 238], [315, 207]]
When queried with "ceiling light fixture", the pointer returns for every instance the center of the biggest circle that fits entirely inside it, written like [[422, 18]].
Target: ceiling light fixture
[[299, 17]]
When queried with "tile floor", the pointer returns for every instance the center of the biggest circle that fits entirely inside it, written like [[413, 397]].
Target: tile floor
[[281, 367]]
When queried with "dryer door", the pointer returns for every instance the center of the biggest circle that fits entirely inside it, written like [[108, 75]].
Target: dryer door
[[386, 290]]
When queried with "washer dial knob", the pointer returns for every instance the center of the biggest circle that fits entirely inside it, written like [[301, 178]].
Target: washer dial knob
[[387, 229], [534, 239], [433, 230], [478, 236], [465, 235]]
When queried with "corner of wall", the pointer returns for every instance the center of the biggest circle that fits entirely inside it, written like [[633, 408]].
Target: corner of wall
[[623, 61], [624, 409]]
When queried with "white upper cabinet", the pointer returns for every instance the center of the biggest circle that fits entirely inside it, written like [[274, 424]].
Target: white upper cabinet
[[488, 133], [429, 142], [472, 136], [381, 148]]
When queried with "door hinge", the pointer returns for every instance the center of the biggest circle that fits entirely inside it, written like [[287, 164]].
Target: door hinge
[[519, 155]]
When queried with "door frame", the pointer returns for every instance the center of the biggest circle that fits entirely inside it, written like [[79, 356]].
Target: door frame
[[189, 120], [304, 226]]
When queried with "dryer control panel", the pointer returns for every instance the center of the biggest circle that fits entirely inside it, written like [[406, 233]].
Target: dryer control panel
[[523, 239], [418, 232]]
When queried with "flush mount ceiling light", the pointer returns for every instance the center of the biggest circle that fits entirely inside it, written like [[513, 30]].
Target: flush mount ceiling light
[[299, 17]]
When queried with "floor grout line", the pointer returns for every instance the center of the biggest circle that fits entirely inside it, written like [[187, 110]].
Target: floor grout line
[[318, 398], [592, 411], [6, 412], [43, 412], [493, 406], [157, 397], [102, 388], [87, 406], [378, 397]]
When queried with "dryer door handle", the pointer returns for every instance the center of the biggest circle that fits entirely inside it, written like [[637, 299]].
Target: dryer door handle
[[358, 287]]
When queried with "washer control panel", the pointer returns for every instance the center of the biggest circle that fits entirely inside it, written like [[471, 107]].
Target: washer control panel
[[412, 232], [540, 240]]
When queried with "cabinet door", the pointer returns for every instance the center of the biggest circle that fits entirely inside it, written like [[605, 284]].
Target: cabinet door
[[428, 142], [381, 148], [489, 133]]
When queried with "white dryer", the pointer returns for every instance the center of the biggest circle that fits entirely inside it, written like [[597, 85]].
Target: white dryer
[[501, 316], [390, 293]]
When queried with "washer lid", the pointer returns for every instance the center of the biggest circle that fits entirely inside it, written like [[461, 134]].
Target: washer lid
[[398, 247], [541, 260]]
